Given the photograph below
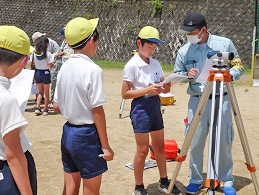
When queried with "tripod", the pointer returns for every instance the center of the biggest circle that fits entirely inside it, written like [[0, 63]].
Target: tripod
[[216, 80]]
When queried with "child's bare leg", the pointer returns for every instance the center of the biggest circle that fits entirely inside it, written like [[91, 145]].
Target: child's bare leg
[[92, 186], [159, 149], [46, 92], [40, 95], [142, 140], [71, 183]]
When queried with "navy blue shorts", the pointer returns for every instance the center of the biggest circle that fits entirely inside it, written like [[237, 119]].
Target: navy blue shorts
[[145, 114], [42, 76], [80, 147], [7, 183]]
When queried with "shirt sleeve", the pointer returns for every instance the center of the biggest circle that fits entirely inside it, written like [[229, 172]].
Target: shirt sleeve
[[31, 57], [55, 99], [50, 58], [160, 70], [179, 64], [237, 70], [11, 116], [128, 73], [96, 94]]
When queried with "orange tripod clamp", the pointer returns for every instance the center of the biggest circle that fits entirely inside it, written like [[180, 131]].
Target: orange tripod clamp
[[224, 77], [250, 168], [180, 158], [216, 183]]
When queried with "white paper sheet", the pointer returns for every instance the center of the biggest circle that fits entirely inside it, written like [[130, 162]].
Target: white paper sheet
[[175, 78], [205, 72], [255, 82], [166, 95], [21, 87], [148, 164]]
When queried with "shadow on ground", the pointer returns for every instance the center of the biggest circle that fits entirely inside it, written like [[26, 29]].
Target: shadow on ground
[[239, 183]]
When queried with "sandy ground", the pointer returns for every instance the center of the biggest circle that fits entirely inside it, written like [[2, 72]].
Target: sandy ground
[[45, 134]]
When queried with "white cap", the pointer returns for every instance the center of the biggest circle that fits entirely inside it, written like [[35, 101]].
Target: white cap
[[37, 35]]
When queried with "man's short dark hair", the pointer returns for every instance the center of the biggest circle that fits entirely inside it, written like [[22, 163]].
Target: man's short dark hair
[[143, 41], [95, 35], [8, 57]]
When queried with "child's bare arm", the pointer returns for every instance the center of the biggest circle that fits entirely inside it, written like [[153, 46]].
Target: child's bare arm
[[128, 93], [51, 65], [100, 122], [17, 161]]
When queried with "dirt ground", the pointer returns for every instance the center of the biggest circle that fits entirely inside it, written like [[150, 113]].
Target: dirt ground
[[45, 134]]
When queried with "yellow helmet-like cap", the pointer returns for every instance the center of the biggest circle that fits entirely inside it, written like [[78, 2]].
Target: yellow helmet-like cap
[[79, 29], [15, 39], [150, 33]]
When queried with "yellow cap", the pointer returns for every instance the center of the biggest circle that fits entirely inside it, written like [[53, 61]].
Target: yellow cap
[[79, 28], [150, 33], [15, 39]]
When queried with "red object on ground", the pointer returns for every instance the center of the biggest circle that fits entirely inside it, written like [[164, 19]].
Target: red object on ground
[[171, 150]]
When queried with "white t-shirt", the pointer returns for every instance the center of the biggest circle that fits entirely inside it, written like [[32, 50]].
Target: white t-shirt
[[10, 117], [141, 74], [53, 47], [42, 64], [79, 89]]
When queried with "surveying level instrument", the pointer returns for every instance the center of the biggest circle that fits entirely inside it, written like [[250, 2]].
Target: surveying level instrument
[[219, 76]]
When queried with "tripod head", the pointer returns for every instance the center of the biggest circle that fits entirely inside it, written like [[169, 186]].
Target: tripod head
[[220, 60]]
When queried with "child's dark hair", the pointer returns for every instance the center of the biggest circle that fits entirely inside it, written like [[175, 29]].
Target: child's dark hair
[[41, 46], [8, 57], [81, 44], [143, 41]]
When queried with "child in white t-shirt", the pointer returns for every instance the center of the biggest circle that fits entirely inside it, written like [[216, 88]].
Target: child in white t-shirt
[[17, 167], [43, 61], [142, 82], [80, 97]]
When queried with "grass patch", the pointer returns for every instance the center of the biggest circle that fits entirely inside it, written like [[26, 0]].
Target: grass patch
[[110, 64], [247, 71], [119, 65]]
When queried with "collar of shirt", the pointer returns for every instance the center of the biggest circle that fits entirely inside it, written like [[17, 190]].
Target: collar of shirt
[[5, 82], [81, 56], [209, 43], [139, 61]]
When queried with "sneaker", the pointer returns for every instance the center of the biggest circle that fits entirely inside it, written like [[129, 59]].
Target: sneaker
[[38, 111], [45, 112], [140, 191], [164, 188], [193, 188], [50, 107], [229, 190]]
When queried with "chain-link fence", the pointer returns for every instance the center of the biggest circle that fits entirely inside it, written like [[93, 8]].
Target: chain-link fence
[[120, 22]]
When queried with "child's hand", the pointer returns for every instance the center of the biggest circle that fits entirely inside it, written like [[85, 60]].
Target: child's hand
[[155, 89], [108, 153], [166, 87]]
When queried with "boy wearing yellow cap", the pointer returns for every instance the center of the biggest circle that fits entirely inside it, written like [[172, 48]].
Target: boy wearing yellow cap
[[17, 167], [80, 97], [142, 82]]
